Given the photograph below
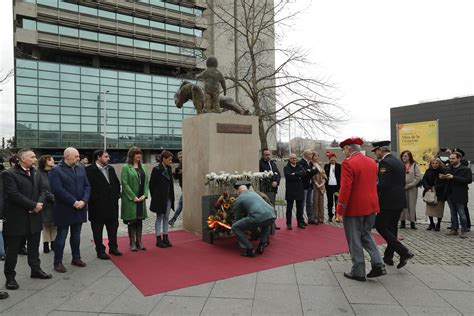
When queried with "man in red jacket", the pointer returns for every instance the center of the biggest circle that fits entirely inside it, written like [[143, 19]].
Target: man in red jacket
[[358, 204]]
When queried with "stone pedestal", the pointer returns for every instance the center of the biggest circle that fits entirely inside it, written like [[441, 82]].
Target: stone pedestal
[[213, 143]]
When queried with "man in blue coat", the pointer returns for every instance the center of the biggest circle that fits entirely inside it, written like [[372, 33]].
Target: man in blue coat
[[71, 191]]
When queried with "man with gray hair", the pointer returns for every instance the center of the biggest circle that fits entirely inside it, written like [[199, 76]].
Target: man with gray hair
[[71, 191], [392, 200], [358, 205], [24, 198]]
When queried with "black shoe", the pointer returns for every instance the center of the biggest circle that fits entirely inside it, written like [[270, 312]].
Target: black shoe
[[46, 247], [40, 275], [388, 261], [404, 260], [23, 251], [115, 252], [413, 225], [261, 248], [52, 246], [304, 224], [301, 226], [103, 256], [402, 224], [277, 228], [2, 258], [449, 227], [330, 219], [248, 253], [437, 228], [3, 295], [376, 272], [288, 227], [160, 243], [353, 277], [431, 227], [167, 241], [171, 222], [313, 223], [11, 284]]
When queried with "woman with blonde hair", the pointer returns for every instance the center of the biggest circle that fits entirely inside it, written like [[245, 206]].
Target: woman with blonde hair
[[319, 189], [431, 182], [412, 179], [134, 192]]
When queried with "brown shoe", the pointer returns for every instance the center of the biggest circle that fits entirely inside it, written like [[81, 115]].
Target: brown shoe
[[78, 263], [59, 267]]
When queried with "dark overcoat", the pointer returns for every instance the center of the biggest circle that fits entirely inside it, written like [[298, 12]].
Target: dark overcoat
[[103, 201], [294, 182], [458, 186], [391, 184], [69, 184], [47, 212], [310, 171], [161, 189], [431, 180], [21, 192]]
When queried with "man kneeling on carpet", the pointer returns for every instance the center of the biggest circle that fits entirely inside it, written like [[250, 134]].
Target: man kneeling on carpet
[[259, 213]]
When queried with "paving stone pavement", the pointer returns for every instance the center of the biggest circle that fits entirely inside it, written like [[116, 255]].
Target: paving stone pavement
[[438, 281]]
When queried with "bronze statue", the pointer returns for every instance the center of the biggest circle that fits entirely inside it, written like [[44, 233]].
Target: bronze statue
[[210, 99]]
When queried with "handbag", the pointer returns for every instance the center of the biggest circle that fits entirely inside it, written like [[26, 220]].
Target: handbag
[[430, 197]]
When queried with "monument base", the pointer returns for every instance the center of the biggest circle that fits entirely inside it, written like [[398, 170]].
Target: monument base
[[212, 143]]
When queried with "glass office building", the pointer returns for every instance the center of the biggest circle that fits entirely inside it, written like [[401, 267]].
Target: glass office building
[[89, 72]]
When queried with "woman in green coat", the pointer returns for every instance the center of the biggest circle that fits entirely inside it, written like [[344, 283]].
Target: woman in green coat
[[134, 192]]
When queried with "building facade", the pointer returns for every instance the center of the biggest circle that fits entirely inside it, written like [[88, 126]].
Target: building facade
[[105, 71], [455, 121]]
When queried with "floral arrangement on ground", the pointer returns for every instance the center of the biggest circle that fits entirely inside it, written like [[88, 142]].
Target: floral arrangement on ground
[[223, 218]]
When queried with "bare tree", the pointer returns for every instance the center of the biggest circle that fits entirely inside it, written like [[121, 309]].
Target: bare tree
[[6, 76], [278, 91]]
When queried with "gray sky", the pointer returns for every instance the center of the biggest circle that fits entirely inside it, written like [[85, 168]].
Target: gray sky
[[380, 54]]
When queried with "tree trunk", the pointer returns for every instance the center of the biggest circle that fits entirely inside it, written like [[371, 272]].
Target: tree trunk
[[262, 134]]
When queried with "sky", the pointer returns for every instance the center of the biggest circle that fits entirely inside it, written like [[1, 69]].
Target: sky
[[379, 54]]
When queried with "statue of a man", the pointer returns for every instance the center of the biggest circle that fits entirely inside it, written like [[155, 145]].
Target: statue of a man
[[213, 79]]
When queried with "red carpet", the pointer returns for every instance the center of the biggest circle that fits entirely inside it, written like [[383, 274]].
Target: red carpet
[[191, 261]]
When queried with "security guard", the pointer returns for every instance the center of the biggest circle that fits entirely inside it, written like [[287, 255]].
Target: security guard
[[260, 214]]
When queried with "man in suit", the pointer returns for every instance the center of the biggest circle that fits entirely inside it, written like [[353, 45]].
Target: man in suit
[[71, 189], [259, 214], [310, 171], [392, 200], [267, 164], [23, 204], [103, 203], [333, 172], [3, 295], [358, 205], [294, 192]]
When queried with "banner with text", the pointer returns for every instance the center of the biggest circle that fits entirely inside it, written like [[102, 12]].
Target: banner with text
[[421, 138]]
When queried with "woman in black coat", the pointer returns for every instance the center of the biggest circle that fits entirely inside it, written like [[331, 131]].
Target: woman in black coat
[[431, 182], [45, 164], [162, 197]]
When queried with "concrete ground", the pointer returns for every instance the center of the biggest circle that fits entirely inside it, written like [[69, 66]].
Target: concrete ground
[[438, 281]]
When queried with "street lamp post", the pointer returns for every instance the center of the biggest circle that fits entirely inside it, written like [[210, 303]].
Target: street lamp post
[[105, 119]]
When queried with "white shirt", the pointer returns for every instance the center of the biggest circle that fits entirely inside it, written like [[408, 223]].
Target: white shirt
[[332, 175]]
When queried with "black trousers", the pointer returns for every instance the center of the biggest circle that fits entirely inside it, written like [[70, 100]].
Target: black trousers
[[111, 226], [386, 224], [14, 243], [299, 211], [468, 217], [331, 191]]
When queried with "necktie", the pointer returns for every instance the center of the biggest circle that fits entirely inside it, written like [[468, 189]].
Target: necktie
[[27, 172]]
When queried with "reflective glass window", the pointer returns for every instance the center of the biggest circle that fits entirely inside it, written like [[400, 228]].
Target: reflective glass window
[[157, 25], [107, 38], [49, 84], [87, 10], [171, 27], [26, 99], [25, 63], [89, 128], [20, 107], [160, 131], [125, 18], [46, 27], [68, 6], [70, 94], [124, 41], [72, 112], [48, 101], [144, 107], [90, 71], [90, 87], [48, 118], [68, 31], [90, 80], [108, 81], [20, 125], [127, 114], [88, 35], [48, 75], [127, 83], [142, 122], [90, 112], [127, 99], [69, 119], [108, 73], [26, 81], [46, 109], [27, 117], [70, 69], [70, 85], [107, 14], [126, 121], [48, 66], [90, 120], [27, 90], [27, 72], [141, 44], [141, 21], [143, 93], [48, 126], [48, 92], [29, 24], [157, 46]]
